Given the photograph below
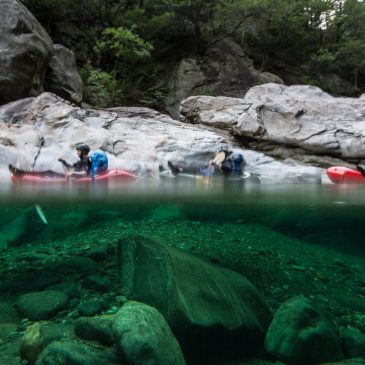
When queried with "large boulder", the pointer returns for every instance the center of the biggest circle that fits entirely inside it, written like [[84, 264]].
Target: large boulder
[[25, 50], [34, 132], [353, 341], [224, 69], [41, 305], [62, 77], [278, 118], [212, 310], [143, 337], [18, 231], [300, 335], [76, 353]]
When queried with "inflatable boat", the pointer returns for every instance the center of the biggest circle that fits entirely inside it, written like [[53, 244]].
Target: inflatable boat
[[246, 177], [344, 175], [112, 175]]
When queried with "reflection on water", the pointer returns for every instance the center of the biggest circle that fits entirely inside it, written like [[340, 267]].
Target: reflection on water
[[86, 245]]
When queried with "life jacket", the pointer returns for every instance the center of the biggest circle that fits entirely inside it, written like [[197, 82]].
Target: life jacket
[[99, 163], [237, 163]]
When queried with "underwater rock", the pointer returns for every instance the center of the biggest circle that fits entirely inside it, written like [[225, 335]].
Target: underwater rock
[[17, 232], [76, 353], [89, 308], [40, 334], [143, 337], [41, 305], [212, 310], [8, 313], [32, 343], [300, 335], [95, 329], [72, 289], [353, 342], [96, 282], [357, 361]]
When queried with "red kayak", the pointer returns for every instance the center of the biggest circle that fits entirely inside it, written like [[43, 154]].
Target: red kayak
[[344, 175], [113, 175]]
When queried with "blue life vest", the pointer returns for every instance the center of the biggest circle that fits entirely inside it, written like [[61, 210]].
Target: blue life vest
[[238, 163], [99, 163]]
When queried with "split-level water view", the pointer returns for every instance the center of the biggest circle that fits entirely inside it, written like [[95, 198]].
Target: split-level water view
[[255, 275]]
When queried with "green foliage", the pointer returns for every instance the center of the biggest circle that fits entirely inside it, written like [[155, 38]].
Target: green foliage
[[129, 46], [322, 59], [124, 45], [101, 88]]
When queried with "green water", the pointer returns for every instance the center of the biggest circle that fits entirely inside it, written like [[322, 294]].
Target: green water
[[286, 240]]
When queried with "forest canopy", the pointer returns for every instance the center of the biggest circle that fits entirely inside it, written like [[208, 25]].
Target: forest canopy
[[125, 49]]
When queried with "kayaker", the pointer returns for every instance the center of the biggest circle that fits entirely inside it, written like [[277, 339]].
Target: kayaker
[[220, 160], [80, 168], [219, 164]]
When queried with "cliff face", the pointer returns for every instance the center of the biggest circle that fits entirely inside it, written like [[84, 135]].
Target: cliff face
[[298, 121], [27, 53]]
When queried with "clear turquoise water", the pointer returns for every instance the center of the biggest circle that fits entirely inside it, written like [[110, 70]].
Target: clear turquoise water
[[287, 240]]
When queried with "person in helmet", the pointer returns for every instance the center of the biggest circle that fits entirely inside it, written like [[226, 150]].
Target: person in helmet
[[82, 167], [219, 164]]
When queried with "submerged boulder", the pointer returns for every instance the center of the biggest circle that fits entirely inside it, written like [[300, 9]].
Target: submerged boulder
[[18, 232], [143, 337], [300, 335], [41, 305], [72, 353], [25, 50], [353, 341], [212, 310]]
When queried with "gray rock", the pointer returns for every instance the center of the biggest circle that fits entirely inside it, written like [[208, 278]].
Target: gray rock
[[41, 305], [353, 342], [300, 335], [25, 50], [335, 85], [297, 116], [44, 128], [76, 353], [212, 310], [223, 70], [95, 329], [143, 337], [62, 77]]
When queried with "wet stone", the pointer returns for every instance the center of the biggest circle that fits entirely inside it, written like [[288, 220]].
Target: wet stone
[[96, 282], [90, 308], [95, 329], [41, 305]]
